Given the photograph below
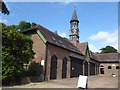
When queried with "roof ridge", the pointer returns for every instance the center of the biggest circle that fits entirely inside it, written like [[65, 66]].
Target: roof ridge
[[83, 42], [104, 53], [50, 31]]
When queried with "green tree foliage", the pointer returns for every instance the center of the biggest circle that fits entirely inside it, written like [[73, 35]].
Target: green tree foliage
[[33, 24], [3, 8], [16, 51], [108, 49], [0, 72], [66, 38], [14, 26], [23, 25]]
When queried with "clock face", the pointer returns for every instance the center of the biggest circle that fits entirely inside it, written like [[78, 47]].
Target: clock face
[[74, 31]]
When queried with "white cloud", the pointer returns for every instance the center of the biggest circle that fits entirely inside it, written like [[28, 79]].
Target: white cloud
[[93, 48], [67, 1], [106, 38], [112, 38], [100, 35], [63, 34]]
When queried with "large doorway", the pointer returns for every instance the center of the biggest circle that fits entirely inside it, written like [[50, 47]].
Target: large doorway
[[64, 68], [76, 67], [92, 69], [86, 68], [53, 68], [101, 69]]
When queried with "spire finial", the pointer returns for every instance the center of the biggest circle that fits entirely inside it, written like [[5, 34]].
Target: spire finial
[[75, 6], [74, 16]]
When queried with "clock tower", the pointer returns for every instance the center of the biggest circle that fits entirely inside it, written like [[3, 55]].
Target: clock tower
[[74, 30]]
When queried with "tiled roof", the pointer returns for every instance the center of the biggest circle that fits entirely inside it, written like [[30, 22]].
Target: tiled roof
[[82, 47], [55, 39], [107, 57]]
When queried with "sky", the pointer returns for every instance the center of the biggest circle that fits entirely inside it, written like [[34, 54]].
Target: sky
[[98, 21]]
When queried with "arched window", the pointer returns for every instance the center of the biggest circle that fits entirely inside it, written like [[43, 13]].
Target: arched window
[[109, 67], [117, 67], [53, 68], [101, 69], [64, 68], [101, 66]]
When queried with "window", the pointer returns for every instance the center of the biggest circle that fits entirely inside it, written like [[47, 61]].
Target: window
[[117, 67], [53, 38], [63, 45], [71, 47], [109, 67], [60, 41]]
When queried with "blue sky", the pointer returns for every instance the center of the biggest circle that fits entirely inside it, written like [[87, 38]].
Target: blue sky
[[98, 20]]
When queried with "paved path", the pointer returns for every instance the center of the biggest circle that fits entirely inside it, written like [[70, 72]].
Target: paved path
[[93, 82], [102, 82]]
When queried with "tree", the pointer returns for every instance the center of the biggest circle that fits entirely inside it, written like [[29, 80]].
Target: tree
[[23, 25], [3, 8], [33, 24], [108, 49], [65, 38], [16, 51]]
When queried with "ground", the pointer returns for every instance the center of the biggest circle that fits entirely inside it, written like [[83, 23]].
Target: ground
[[97, 81]]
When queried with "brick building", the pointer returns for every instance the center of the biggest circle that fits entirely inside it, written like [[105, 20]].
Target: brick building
[[109, 63], [62, 58]]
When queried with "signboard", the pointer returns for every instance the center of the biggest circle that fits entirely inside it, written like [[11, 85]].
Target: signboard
[[42, 62], [113, 65], [82, 82]]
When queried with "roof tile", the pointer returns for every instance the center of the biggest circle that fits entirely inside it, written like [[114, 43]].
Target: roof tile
[[107, 57], [82, 47]]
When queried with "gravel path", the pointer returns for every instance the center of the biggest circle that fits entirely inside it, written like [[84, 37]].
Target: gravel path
[[93, 82]]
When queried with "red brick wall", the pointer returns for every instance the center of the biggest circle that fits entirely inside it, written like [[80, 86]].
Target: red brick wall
[[109, 72], [74, 42], [38, 47], [60, 54]]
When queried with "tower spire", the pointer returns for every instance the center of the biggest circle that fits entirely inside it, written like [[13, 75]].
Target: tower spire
[[74, 16], [74, 30]]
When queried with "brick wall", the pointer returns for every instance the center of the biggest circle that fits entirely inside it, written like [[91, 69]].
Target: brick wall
[[109, 72], [38, 47], [35, 65], [60, 54]]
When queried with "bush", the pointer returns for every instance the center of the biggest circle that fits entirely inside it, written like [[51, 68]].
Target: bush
[[16, 51]]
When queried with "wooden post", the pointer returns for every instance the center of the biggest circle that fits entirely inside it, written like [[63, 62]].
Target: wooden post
[[83, 68], [95, 69], [68, 67], [88, 69]]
